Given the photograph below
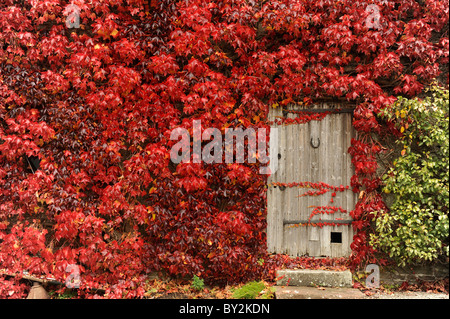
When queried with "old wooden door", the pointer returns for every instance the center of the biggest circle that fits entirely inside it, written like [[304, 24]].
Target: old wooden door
[[316, 151]]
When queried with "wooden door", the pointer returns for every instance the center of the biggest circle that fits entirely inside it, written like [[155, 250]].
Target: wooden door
[[314, 152]]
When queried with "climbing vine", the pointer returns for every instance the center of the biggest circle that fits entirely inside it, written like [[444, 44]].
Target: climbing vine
[[95, 104], [317, 189], [415, 229], [300, 116]]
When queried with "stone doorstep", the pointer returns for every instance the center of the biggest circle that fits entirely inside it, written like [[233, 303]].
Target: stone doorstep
[[310, 277], [292, 292]]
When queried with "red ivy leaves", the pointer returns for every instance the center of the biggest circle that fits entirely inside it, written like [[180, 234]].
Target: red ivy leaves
[[97, 105]]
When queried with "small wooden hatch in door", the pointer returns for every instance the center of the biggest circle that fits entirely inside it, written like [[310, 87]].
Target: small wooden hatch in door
[[314, 152]]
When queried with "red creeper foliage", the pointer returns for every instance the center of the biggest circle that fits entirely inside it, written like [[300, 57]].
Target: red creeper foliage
[[96, 104]]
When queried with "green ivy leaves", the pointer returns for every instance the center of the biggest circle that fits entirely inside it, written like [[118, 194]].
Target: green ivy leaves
[[416, 226]]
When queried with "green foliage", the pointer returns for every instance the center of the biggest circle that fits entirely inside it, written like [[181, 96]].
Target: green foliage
[[197, 283], [252, 290], [66, 294], [416, 227]]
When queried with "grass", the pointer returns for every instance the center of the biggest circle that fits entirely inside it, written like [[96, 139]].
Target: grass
[[194, 288], [253, 290]]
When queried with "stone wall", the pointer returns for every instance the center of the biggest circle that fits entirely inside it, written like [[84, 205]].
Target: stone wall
[[412, 274]]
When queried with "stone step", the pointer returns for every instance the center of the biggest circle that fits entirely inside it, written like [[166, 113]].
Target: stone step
[[314, 277], [293, 292]]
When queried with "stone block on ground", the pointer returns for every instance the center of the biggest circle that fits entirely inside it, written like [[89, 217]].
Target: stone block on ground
[[310, 277], [293, 292]]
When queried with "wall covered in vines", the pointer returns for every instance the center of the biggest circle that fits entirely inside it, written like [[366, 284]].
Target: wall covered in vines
[[96, 104]]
